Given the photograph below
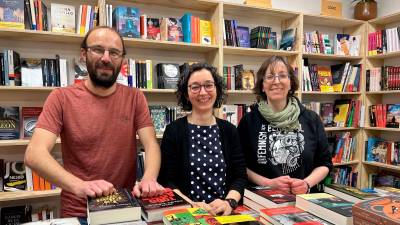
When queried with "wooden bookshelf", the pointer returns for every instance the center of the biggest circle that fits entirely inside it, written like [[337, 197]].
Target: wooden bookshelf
[[26, 195], [383, 165], [329, 93], [331, 21], [341, 128], [19, 142], [353, 162], [257, 52], [330, 57], [385, 55], [393, 92]]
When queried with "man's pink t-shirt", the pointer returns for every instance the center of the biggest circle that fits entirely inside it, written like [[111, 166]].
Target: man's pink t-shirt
[[98, 135]]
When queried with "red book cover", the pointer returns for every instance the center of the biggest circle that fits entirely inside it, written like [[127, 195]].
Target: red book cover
[[30, 116], [168, 199]]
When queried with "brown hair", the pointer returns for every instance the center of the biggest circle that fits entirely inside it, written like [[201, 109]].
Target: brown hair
[[271, 62]]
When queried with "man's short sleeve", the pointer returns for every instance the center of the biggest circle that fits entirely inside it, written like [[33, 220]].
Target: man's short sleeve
[[51, 117], [142, 113]]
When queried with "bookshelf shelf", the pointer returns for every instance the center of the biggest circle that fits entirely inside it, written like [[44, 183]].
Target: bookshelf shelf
[[23, 195], [393, 92], [340, 128], [386, 19], [200, 5], [385, 56], [26, 89], [259, 12], [228, 50], [19, 142], [382, 165], [347, 163], [330, 57], [169, 45], [331, 21], [329, 93], [383, 129], [39, 36]]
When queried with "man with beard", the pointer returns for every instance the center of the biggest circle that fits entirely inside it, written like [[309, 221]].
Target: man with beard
[[97, 120]]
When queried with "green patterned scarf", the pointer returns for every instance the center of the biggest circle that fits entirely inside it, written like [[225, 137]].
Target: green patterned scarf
[[287, 119]]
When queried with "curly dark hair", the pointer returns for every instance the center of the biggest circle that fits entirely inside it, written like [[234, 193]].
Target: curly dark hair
[[182, 87], [271, 62], [84, 41]]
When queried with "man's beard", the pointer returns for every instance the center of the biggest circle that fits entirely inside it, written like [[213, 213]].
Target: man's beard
[[102, 79]]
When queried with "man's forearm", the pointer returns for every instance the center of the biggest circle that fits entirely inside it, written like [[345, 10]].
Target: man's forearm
[[152, 162]]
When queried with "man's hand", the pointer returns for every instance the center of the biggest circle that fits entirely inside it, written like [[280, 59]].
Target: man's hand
[[298, 186], [282, 183], [93, 188], [220, 207], [147, 188]]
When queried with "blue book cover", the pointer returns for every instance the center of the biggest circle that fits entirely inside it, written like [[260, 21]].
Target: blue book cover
[[9, 123], [12, 14], [186, 22], [126, 20], [243, 36]]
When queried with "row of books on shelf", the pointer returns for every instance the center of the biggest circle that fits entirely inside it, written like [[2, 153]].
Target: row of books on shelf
[[383, 151], [257, 37], [383, 78], [335, 78], [32, 72], [15, 176], [384, 178], [238, 78], [336, 206], [18, 122], [384, 115], [340, 113], [345, 149], [343, 44], [343, 175], [384, 41]]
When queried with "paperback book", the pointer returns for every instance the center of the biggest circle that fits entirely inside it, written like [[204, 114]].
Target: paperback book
[[269, 198]]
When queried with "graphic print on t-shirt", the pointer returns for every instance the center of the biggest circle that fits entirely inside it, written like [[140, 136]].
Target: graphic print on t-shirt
[[283, 148]]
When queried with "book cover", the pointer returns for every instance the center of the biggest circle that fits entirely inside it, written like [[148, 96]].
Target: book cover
[[288, 39], [329, 202], [325, 78], [243, 35], [62, 18], [327, 114], [352, 191], [383, 210], [205, 32], [247, 80], [12, 14], [120, 206], [167, 75], [272, 41], [30, 116], [15, 215], [31, 72], [187, 216], [393, 115], [9, 123], [341, 112], [159, 117], [126, 21], [290, 215], [273, 195], [153, 29], [14, 176], [153, 207], [174, 28]]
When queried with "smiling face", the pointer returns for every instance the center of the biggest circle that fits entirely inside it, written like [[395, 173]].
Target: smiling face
[[276, 83], [201, 91], [104, 68]]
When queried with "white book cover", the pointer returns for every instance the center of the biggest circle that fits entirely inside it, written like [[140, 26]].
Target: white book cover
[[63, 73], [62, 18]]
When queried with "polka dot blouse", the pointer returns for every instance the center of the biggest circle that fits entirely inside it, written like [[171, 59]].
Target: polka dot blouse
[[206, 163]]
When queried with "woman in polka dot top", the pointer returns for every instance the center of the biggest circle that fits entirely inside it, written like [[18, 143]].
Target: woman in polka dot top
[[201, 154]]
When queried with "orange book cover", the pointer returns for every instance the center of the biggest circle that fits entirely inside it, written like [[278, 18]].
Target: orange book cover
[[41, 184], [47, 185], [36, 181], [83, 20], [193, 28]]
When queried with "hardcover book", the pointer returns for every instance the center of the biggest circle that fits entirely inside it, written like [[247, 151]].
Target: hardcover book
[[326, 206], [288, 39], [30, 116], [62, 18], [348, 193], [383, 210], [167, 75], [14, 176], [153, 207], [243, 36], [12, 14], [120, 206], [290, 215], [153, 29], [9, 123], [126, 21], [269, 198], [15, 215]]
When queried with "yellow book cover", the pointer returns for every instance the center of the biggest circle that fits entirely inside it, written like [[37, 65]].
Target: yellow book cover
[[341, 111], [315, 196], [62, 18], [234, 219], [325, 79], [205, 32]]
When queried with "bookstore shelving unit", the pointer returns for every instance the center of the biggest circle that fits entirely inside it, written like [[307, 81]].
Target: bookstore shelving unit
[[46, 44], [378, 97], [332, 26]]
